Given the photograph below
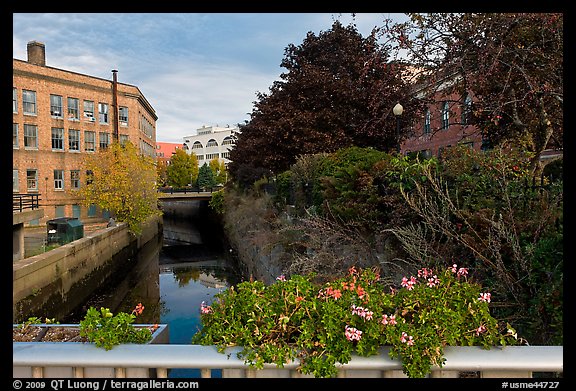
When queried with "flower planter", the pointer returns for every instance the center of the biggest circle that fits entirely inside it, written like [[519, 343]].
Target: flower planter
[[39, 335]]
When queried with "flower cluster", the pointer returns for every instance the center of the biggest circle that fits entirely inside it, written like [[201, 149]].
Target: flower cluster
[[295, 319]]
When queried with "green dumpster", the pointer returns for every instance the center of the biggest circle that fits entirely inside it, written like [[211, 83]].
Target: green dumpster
[[64, 230]]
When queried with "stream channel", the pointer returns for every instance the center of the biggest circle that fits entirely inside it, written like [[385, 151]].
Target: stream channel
[[174, 274]]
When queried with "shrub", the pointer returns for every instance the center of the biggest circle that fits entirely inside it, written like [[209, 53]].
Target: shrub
[[322, 325]]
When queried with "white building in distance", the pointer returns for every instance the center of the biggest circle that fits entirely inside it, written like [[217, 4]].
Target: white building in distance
[[211, 142]]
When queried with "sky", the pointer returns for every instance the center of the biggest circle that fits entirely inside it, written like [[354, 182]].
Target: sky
[[194, 69]]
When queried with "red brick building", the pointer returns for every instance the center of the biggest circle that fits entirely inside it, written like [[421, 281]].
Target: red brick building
[[445, 123], [61, 116]]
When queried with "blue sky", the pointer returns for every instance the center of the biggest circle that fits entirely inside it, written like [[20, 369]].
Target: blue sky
[[194, 68]]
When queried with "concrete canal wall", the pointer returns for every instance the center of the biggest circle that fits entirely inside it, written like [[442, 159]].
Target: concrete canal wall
[[52, 284]]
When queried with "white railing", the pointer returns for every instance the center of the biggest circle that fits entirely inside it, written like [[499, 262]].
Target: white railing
[[53, 359]]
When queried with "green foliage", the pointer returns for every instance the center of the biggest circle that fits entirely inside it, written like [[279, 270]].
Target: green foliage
[[183, 169], [206, 178], [122, 181], [323, 325], [218, 168], [217, 201], [107, 330]]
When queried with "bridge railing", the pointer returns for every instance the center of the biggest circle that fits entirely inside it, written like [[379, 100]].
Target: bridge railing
[[49, 359], [185, 190], [21, 202]]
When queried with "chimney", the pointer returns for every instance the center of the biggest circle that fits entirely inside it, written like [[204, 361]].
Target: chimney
[[36, 53]]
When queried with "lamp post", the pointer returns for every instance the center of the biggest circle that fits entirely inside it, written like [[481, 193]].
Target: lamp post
[[398, 110]]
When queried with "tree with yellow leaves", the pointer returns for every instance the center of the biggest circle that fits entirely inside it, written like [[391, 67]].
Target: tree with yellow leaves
[[122, 181]]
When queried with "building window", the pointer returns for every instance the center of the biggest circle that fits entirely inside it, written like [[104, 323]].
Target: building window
[[123, 115], [56, 106], [92, 211], [59, 211], [29, 102], [58, 179], [228, 141], [123, 138], [211, 143], [32, 180], [197, 145], [427, 121], [200, 157], [73, 109], [445, 115], [89, 177], [104, 140], [466, 110], [75, 179], [225, 155], [211, 156], [30, 136], [103, 113], [15, 143], [89, 110], [15, 181], [89, 141], [14, 100], [73, 140], [76, 211], [58, 139]]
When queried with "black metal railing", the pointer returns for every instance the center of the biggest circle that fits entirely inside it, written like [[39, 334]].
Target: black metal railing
[[21, 202]]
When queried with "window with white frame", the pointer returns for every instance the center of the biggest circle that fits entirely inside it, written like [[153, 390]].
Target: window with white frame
[[211, 156], [104, 140], [56, 106], [74, 179], [89, 141], [89, 110], [197, 145], [466, 113], [15, 186], [225, 155], [15, 143], [14, 100], [103, 113], [123, 115], [211, 143], [32, 179], [30, 136], [228, 141], [427, 120], [445, 115], [73, 109], [59, 179], [29, 102], [57, 139], [73, 140], [123, 138]]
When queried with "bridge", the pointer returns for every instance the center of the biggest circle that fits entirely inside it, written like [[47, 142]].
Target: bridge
[[185, 193]]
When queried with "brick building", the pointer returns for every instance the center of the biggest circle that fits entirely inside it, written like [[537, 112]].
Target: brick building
[[60, 116], [445, 122]]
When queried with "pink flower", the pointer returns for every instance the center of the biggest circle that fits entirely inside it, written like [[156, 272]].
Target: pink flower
[[352, 334], [485, 297], [281, 278], [407, 339], [454, 268], [480, 330], [205, 309], [462, 272], [433, 281]]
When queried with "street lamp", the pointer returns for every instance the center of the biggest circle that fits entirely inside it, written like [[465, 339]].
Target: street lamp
[[398, 110]]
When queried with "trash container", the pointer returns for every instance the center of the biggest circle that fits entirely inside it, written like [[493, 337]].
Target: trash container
[[64, 230]]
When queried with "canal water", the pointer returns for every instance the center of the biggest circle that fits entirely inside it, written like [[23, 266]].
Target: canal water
[[174, 275]]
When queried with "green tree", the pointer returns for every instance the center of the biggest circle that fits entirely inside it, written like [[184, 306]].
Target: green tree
[[122, 181], [206, 177], [183, 169], [161, 172], [338, 91]]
